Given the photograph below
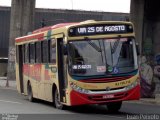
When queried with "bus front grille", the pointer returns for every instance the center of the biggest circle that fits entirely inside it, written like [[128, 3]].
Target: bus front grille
[[104, 80]]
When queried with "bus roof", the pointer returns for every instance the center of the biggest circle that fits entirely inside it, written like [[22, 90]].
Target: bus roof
[[39, 34], [52, 27]]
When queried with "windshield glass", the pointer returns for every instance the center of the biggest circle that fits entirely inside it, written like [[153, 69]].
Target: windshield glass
[[101, 56]]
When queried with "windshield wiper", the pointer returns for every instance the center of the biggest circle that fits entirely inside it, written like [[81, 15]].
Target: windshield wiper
[[116, 43], [95, 46]]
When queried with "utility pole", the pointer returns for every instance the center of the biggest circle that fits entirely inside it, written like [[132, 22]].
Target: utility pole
[[22, 21]]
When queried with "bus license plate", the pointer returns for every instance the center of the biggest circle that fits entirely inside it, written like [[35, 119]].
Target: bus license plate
[[108, 96]]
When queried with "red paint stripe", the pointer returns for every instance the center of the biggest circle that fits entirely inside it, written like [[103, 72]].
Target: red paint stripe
[[30, 37], [41, 35], [42, 29], [52, 27]]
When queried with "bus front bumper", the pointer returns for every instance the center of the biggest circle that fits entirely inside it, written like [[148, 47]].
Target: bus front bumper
[[81, 99]]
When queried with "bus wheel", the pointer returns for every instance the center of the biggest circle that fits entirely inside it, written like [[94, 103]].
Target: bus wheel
[[57, 102], [114, 106], [30, 93]]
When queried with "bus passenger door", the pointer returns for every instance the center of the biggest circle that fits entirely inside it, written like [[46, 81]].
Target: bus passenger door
[[19, 57], [61, 69]]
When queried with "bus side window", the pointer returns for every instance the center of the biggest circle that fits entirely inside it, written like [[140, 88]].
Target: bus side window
[[38, 52], [53, 51], [32, 53], [49, 50], [26, 53], [45, 51]]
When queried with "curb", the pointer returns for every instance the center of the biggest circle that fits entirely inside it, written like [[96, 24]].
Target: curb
[[149, 101], [153, 101], [3, 82], [8, 88]]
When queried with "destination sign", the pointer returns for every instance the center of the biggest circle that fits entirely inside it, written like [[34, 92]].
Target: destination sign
[[100, 29]]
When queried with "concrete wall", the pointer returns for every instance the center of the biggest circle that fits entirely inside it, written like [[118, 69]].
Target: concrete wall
[[3, 69], [146, 17]]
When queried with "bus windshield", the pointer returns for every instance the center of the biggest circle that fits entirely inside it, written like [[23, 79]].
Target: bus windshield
[[101, 56]]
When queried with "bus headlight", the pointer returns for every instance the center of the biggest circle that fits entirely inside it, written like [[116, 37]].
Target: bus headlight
[[132, 85], [78, 89]]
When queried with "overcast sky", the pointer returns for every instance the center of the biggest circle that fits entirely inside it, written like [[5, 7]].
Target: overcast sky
[[93, 5]]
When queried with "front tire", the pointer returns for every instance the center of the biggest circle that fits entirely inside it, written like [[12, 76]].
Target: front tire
[[114, 106], [56, 98], [30, 93]]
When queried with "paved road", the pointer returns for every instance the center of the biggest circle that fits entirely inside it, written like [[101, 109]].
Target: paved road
[[18, 106]]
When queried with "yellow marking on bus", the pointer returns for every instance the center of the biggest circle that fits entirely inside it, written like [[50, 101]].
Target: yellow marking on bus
[[116, 84]]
